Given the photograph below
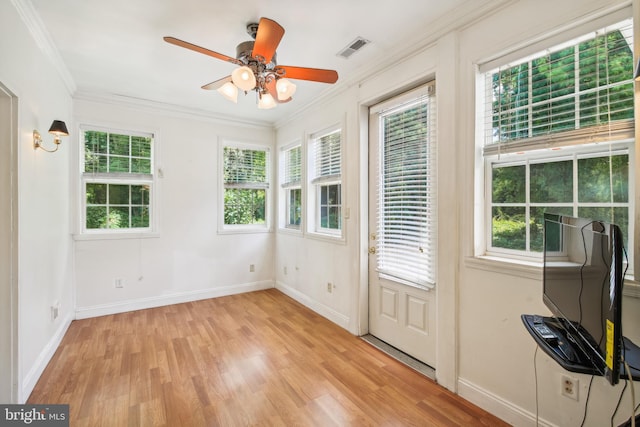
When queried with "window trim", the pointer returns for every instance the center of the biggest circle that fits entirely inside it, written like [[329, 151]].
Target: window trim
[[244, 228], [313, 183], [117, 178]]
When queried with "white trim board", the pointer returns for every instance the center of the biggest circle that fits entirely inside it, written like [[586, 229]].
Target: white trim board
[[499, 407], [31, 378], [163, 300], [321, 309]]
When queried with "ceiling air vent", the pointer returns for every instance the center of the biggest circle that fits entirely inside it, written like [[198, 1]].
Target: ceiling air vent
[[353, 47]]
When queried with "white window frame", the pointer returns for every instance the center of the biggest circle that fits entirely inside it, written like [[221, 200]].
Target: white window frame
[[316, 183], [243, 228], [618, 141], [117, 178], [287, 187]]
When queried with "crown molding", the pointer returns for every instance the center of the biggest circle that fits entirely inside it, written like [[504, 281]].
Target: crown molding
[[43, 39]]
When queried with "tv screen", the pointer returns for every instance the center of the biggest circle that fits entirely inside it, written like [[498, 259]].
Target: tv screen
[[582, 286]]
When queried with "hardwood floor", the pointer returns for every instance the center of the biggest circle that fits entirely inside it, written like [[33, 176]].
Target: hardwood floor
[[258, 358]]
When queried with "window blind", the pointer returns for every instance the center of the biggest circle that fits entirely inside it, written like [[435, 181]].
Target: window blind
[[245, 168], [292, 167], [406, 238], [578, 92], [328, 157]]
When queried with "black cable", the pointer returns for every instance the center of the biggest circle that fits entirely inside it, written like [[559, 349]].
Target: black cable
[[535, 377], [586, 403], [626, 383]]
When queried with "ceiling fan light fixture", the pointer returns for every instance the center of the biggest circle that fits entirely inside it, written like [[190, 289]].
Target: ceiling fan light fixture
[[229, 91], [285, 89], [244, 78], [266, 101]]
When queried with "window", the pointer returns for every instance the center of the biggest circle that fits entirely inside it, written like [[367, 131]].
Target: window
[[117, 181], [326, 182], [292, 185], [558, 133], [245, 180]]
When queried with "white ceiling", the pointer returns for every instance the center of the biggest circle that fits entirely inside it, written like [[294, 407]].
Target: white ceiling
[[114, 48]]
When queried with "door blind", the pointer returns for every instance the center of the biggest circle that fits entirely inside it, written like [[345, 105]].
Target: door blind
[[406, 242]]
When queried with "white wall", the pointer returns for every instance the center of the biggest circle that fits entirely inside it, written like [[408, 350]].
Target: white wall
[[187, 259], [484, 351], [44, 238]]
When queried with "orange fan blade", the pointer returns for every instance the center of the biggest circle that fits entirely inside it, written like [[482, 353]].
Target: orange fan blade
[[267, 39], [313, 74], [199, 49], [217, 84]]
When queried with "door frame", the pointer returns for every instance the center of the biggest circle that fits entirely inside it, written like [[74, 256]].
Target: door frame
[[9, 225], [444, 55]]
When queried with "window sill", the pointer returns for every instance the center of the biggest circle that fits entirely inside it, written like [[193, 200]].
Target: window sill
[[531, 270], [115, 236], [330, 238], [511, 267], [290, 230], [244, 230]]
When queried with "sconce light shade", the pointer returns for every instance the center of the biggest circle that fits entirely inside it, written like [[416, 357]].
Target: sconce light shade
[[58, 129], [636, 75]]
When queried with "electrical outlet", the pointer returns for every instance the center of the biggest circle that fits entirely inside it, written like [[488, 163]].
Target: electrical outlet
[[569, 387], [329, 287], [118, 283], [252, 268], [285, 270], [55, 309]]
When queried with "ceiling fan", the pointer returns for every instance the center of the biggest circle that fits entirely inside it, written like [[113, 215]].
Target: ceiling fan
[[258, 69]]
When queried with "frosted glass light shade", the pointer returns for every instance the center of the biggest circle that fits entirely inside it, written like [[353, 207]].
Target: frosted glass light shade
[[243, 78], [285, 89], [266, 101], [229, 91]]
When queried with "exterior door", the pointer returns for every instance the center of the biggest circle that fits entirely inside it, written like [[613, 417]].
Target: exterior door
[[402, 243]]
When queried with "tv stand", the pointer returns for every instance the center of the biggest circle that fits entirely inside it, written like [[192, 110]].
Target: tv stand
[[553, 339]]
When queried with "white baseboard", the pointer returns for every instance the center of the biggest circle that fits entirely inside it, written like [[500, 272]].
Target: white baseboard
[[499, 407], [162, 300], [328, 312], [30, 380]]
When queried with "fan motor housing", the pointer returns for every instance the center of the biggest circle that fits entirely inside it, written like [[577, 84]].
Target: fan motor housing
[[244, 50]]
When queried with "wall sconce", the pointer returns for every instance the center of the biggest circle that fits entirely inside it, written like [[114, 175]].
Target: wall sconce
[[58, 129]]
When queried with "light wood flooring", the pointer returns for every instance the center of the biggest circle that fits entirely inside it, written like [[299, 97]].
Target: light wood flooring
[[251, 359]]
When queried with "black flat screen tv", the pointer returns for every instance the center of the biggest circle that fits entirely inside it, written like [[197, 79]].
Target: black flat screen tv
[[582, 286]]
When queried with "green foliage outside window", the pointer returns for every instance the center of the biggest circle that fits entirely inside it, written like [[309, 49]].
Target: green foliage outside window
[[110, 205], [113, 206], [551, 190], [330, 207], [244, 206], [245, 181], [295, 206]]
